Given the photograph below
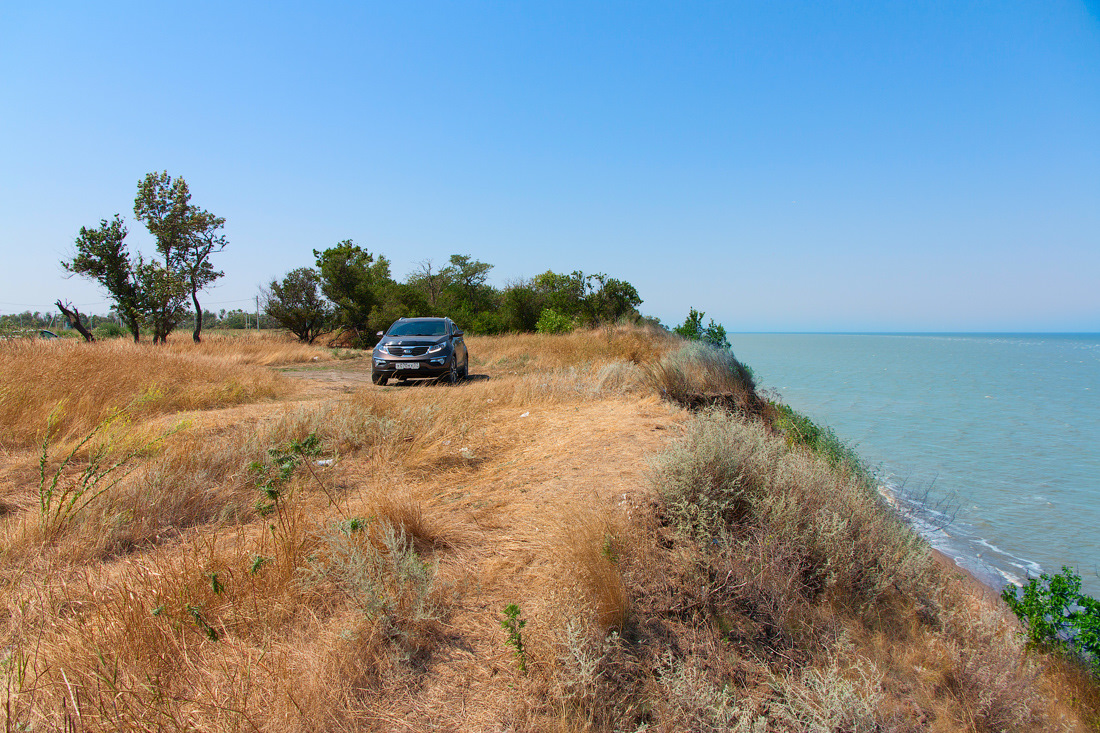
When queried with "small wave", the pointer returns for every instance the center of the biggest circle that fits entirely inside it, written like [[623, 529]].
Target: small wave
[[1010, 577]]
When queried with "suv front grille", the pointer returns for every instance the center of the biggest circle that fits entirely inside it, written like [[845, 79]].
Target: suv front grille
[[408, 350]]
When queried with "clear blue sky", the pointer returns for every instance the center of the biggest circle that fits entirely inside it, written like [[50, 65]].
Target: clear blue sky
[[781, 166]]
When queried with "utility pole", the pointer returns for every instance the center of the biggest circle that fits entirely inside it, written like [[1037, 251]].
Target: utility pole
[[257, 312]]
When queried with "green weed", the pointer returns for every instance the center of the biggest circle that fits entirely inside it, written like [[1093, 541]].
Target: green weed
[[61, 495], [513, 624]]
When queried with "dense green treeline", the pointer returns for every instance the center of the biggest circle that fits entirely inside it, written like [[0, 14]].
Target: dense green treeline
[[352, 291]]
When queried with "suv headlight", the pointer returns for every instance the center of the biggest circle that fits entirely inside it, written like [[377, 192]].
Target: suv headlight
[[437, 348], [382, 349]]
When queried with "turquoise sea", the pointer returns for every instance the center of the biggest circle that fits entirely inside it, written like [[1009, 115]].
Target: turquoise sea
[[990, 442]]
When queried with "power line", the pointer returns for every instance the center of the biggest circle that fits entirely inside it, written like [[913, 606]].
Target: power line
[[49, 306], [41, 305]]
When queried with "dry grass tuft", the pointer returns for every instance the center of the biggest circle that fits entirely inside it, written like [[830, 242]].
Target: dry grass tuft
[[293, 629], [697, 375], [585, 553], [731, 483]]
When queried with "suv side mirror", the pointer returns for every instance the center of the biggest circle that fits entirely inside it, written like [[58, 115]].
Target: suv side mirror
[[381, 333], [457, 333]]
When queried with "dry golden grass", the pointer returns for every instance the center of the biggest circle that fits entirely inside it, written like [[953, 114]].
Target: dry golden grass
[[362, 589], [529, 352], [86, 383], [266, 348]]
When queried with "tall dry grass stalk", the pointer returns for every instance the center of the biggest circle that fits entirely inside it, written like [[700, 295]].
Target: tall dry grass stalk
[[92, 381], [584, 551]]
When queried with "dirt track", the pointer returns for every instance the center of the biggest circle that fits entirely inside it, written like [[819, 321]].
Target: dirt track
[[535, 480]]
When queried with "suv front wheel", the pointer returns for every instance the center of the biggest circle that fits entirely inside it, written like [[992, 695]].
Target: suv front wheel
[[452, 375]]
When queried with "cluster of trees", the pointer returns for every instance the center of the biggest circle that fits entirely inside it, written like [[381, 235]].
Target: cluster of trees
[[352, 291], [238, 319], [349, 291], [29, 321], [153, 292], [110, 325]]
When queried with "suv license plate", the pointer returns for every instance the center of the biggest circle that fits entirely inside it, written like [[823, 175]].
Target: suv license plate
[[407, 365]]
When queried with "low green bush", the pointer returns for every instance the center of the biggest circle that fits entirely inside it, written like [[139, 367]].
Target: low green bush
[[109, 331], [1058, 615], [552, 321]]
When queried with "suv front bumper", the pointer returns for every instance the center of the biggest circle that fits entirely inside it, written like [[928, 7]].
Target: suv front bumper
[[425, 368]]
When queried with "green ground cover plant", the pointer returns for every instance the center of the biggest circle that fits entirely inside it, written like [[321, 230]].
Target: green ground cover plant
[[1058, 615]]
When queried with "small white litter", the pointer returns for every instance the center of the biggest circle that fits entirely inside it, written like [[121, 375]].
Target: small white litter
[[323, 462], [525, 414], [466, 453], [446, 442]]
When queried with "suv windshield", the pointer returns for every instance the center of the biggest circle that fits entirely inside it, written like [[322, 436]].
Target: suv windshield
[[418, 328]]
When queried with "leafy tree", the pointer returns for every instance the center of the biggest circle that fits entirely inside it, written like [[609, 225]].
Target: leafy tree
[[469, 293], [163, 204], [355, 281], [194, 260], [692, 329], [163, 297], [101, 255], [186, 236], [297, 304], [715, 335], [398, 300], [521, 307], [469, 274], [609, 302], [564, 293]]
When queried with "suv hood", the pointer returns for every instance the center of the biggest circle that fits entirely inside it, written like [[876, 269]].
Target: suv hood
[[411, 340]]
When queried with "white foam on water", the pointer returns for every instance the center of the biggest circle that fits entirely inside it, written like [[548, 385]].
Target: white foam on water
[[991, 564]]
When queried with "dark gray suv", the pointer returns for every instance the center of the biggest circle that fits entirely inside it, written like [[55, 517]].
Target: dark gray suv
[[420, 348]]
